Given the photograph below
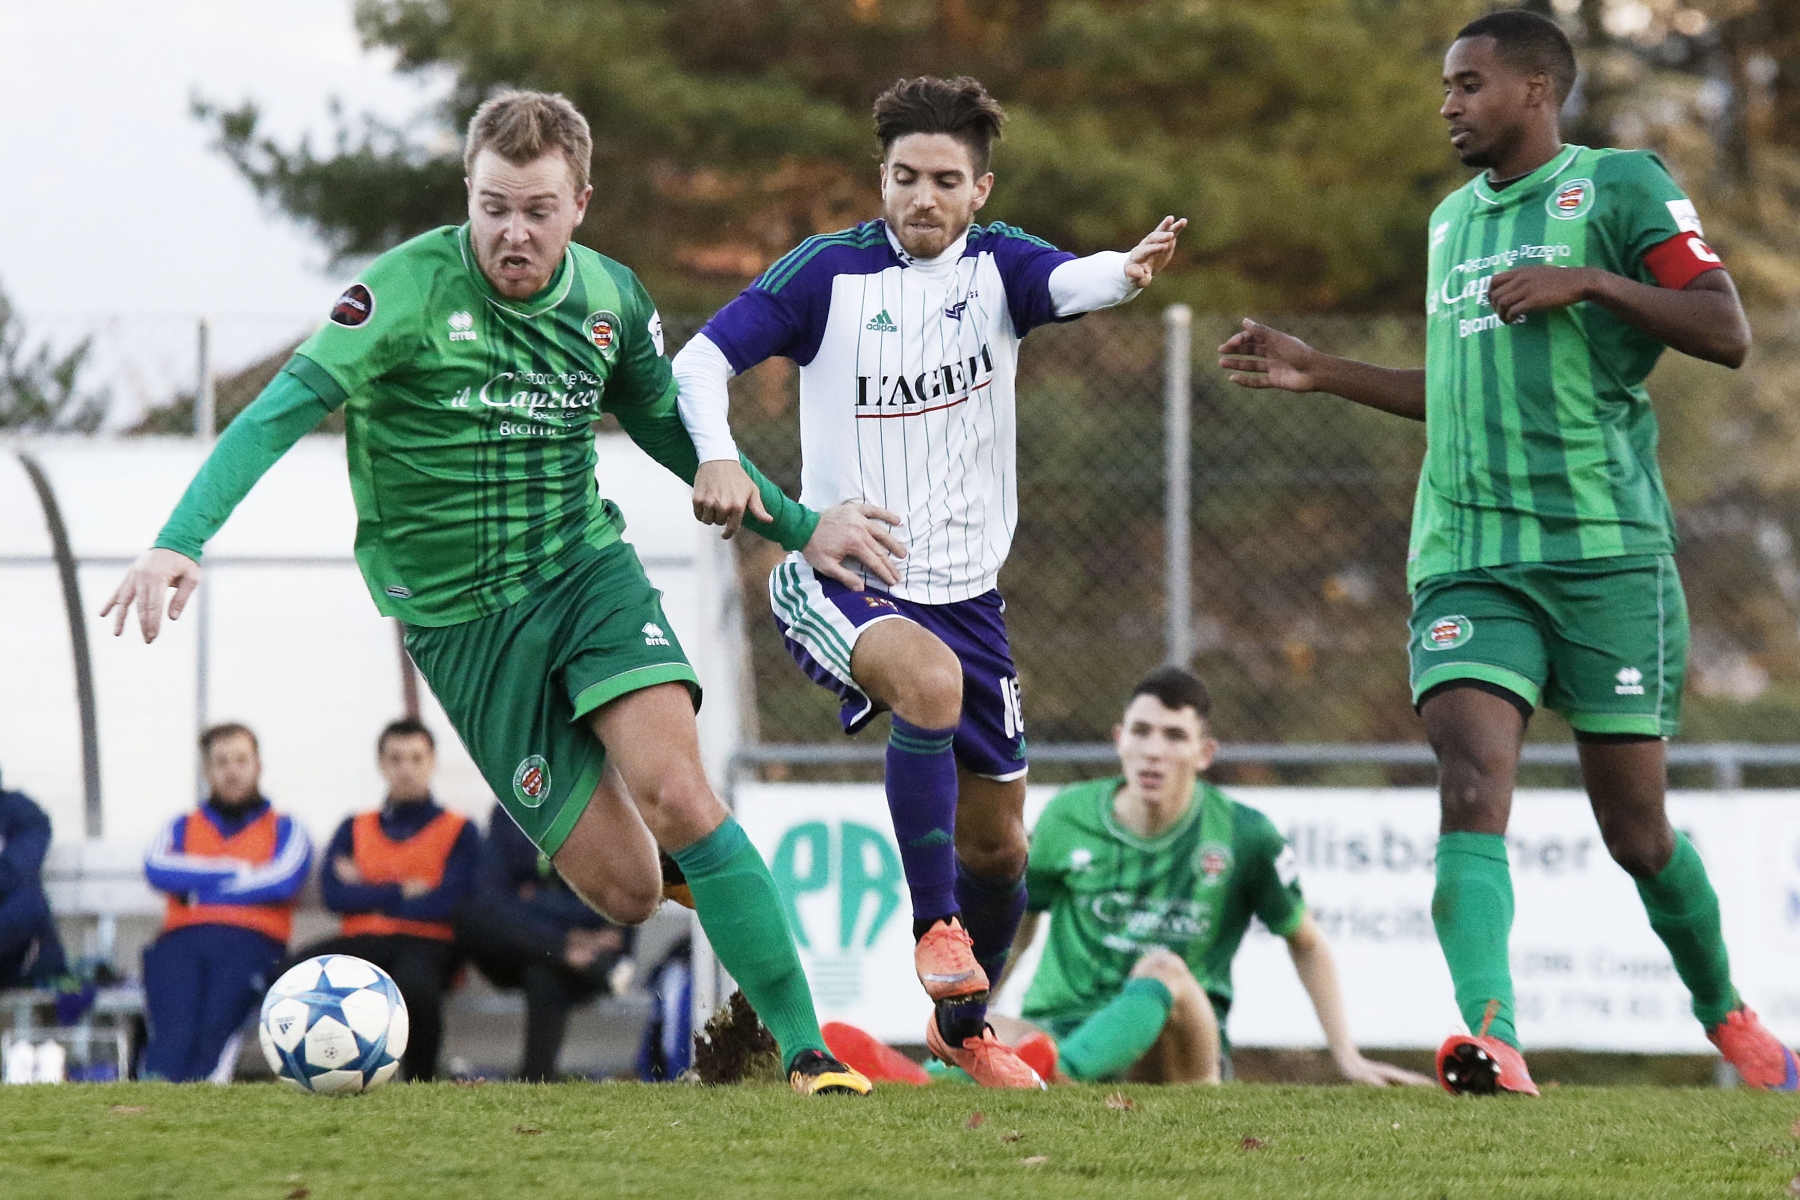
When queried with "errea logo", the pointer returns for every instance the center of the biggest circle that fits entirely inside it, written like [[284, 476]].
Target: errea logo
[[653, 634], [462, 327], [1631, 682]]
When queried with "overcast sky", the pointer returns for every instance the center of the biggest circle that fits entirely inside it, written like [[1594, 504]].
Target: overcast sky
[[116, 219]]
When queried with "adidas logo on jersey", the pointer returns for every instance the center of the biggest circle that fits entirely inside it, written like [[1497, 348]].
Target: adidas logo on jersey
[[653, 634], [883, 323], [462, 327]]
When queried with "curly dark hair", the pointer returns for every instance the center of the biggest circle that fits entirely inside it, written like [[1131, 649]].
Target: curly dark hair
[[960, 107]]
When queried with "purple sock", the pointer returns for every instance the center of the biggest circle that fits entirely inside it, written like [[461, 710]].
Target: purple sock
[[991, 911], [921, 794]]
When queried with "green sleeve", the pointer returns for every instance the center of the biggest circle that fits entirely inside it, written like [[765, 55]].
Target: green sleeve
[[1046, 867], [376, 325], [641, 393], [1270, 877], [1645, 207], [658, 430], [281, 415]]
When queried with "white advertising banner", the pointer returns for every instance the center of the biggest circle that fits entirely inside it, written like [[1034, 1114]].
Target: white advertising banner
[[1588, 971]]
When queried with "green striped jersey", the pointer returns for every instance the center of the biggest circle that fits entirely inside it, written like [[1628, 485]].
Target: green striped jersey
[[470, 419], [1113, 896], [1540, 438]]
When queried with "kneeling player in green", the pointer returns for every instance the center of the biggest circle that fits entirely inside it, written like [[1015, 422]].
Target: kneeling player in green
[[471, 363], [1541, 565], [1150, 880]]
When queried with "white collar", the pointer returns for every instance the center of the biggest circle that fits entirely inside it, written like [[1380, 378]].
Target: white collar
[[930, 266]]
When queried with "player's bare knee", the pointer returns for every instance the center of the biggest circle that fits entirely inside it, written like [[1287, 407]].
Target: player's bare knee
[[993, 855], [930, 691], [624, 898], [1642, 852], [1165, 967]]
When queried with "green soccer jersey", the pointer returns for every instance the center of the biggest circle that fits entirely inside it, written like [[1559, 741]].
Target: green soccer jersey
[[1540, 439], [469, 418], [1113, 896]]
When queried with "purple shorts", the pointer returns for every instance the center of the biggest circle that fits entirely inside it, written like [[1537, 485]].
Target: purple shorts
[[821, 619]]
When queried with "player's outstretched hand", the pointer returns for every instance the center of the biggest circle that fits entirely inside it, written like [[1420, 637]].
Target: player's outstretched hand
[[150, 577], [1260, 357], [723, 492], [854, 530], [1380, 1074], [1154, 252]]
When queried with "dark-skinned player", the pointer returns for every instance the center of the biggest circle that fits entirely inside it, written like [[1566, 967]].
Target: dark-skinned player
[[1541, 563]]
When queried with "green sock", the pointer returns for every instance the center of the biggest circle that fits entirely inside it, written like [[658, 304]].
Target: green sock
[[1473, 911], [1118, 1035], [1684, 911], [741, 912]]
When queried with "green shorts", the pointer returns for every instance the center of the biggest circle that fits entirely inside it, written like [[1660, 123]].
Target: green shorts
[[1602, 641], [516, 684]]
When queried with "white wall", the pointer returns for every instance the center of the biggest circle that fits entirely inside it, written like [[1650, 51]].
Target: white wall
[[298, 653], [1588, 971]]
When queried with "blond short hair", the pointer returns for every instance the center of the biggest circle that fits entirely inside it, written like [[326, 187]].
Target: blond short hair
[[522, 127]]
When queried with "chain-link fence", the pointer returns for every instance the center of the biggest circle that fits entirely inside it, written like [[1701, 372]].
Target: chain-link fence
[[1299, 527]]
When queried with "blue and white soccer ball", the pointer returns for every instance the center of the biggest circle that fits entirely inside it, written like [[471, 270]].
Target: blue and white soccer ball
[[335, 1025]]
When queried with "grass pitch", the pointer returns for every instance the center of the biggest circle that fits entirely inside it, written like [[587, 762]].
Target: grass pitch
[[493, 1142]]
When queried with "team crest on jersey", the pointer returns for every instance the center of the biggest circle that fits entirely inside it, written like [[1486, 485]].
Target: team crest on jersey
[[354, 307], [1447, 633], [1573, 199], [603, 330], [531, 781], [1213, 861]]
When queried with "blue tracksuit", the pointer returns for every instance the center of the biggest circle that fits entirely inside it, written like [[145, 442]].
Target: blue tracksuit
[[201, 981], [30, 951]]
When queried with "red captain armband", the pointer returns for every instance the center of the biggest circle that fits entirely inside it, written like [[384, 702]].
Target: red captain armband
[[1681, 260]]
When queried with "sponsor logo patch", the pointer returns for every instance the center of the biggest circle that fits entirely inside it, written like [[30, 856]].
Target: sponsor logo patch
[[1213, 861], [354, 307], [1447, 633], [1631, 682], [603, 330], [653, 634], [1573, 199], [462, 327], [656, 336], [398, 592], [882, 323], [1685, 216], [531, 781]]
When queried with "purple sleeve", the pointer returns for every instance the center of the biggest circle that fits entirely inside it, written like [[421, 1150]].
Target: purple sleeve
[[760, 324], [783, 314], [1025, 264]]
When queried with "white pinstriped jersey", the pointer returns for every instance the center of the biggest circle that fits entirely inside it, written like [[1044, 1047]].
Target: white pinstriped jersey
[[906, 385]]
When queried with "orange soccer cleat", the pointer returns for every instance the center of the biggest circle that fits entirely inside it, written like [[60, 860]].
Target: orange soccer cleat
[[945, 960], [1038, 1051], [987, 1060], [872, 1056], [1482, 1066], [1760, 1058]]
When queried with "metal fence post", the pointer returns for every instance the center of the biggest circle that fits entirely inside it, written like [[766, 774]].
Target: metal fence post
[[205, 422], [1178, 564]]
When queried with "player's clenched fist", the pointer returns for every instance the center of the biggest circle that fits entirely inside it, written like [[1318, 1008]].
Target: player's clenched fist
[[150, 577], [854, 530], [723, 493]]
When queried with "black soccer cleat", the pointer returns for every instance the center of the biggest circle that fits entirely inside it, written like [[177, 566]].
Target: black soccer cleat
[[818, 1074]]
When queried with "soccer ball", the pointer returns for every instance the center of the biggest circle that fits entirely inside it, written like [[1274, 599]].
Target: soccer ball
[[334, 1024]]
